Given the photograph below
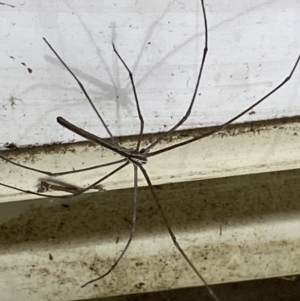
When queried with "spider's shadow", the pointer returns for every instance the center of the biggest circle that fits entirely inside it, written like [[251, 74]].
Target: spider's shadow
[[113, 90]]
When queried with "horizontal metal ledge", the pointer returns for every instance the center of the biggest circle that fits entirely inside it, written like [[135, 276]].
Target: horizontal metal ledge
[[236, 228], [243, 149]]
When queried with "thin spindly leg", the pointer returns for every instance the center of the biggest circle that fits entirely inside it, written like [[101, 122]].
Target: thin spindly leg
[[80, 191], [224, 125], [133, 223], [84, 92], [173, 237], [57, 174], [188, 112], [135, 97]]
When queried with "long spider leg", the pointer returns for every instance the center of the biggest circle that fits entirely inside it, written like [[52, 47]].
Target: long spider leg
[[135, 97], [224, 125], [133, 222], [68, 196], [188, 112], [84, 92], [88, 168], [211, 292], [57, 174]]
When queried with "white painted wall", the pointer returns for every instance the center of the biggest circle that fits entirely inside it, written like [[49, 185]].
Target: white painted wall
[[252, 47]]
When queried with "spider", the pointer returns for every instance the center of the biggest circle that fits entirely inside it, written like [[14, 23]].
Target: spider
[[138, 157]]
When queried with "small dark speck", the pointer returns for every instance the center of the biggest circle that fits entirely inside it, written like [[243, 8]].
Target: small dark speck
[[259, 65], [96, 285], [65, 205], [50, 256], [127, 220], [12, 57], [139, 285], [149, 43], [117, 240], [10, 145], [23, 64], [252, 113], [29, 70]]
